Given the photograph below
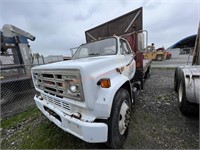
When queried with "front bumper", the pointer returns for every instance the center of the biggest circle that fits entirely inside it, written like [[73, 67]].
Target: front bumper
[[87, 131]]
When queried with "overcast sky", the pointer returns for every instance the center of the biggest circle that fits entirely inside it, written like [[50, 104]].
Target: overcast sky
[[60, 24]]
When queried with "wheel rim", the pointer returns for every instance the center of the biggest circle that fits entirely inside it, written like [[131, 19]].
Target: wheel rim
[[180, 93], [124, 117]]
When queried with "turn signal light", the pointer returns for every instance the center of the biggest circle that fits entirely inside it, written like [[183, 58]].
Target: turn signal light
[[104, 83]]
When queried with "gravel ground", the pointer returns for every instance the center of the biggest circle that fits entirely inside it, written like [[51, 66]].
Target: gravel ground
[[156, 120], [156, 123]]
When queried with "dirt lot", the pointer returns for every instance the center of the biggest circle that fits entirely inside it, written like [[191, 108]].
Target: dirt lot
[[156, 123]]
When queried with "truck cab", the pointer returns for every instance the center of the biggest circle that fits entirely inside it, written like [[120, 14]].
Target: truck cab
[[115, 49]]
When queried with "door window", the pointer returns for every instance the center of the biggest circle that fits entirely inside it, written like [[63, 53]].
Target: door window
[[124, 47]]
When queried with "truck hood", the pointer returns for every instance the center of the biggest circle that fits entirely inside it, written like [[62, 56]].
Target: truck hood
[[92, 63]]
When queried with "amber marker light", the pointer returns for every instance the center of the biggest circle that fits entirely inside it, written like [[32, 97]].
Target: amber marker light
[[104, 83]]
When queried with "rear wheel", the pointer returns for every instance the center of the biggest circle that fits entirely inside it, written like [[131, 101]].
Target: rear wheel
[[118, 123]]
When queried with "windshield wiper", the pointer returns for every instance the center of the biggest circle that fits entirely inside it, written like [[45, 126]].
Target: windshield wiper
[[94, 54]]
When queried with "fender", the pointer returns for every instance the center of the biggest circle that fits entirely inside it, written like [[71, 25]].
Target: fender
[[192, 83], [104, 102]]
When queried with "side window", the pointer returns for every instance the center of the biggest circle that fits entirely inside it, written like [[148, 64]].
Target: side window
[[124, 48]]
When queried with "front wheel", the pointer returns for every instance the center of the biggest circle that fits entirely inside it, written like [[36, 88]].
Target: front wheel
[[118, 123]]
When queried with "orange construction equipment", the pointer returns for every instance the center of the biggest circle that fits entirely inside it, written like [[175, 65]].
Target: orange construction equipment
[[156, 54]]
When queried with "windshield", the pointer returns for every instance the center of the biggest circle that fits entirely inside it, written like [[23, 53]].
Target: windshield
[[97, 48]]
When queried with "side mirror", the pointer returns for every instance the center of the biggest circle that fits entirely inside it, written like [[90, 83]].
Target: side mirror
[[140, 42]]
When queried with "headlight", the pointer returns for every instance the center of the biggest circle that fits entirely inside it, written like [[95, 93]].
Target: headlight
[[73, 87]]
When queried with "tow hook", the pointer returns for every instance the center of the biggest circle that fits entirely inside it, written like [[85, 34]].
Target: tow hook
[[40, 97], [76, 115]]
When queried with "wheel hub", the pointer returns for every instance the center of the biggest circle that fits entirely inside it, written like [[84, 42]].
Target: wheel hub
[[124, 117]]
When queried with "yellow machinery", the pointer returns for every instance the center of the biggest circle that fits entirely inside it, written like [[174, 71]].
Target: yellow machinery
[[152, 54], [167, 55]]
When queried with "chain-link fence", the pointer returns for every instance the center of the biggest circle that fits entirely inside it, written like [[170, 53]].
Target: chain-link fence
[[17, 90]]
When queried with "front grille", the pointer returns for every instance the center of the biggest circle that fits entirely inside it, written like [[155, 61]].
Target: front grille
[[66, 106], [56, 102], [56, 83]]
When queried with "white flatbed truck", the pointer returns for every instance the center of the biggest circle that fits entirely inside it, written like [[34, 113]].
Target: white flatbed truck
[[91, 96]]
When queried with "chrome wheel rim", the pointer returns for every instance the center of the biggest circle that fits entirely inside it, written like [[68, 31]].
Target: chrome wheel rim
[[124, 117]]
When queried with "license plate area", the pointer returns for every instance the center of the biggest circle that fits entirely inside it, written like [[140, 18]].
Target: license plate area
[[52, 113]]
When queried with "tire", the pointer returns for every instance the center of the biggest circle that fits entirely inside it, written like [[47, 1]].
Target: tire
[[185, 106], [177, 77], [159, 57], [120, 113]]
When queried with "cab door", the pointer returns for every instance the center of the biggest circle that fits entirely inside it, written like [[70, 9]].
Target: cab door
[[128, 68]]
